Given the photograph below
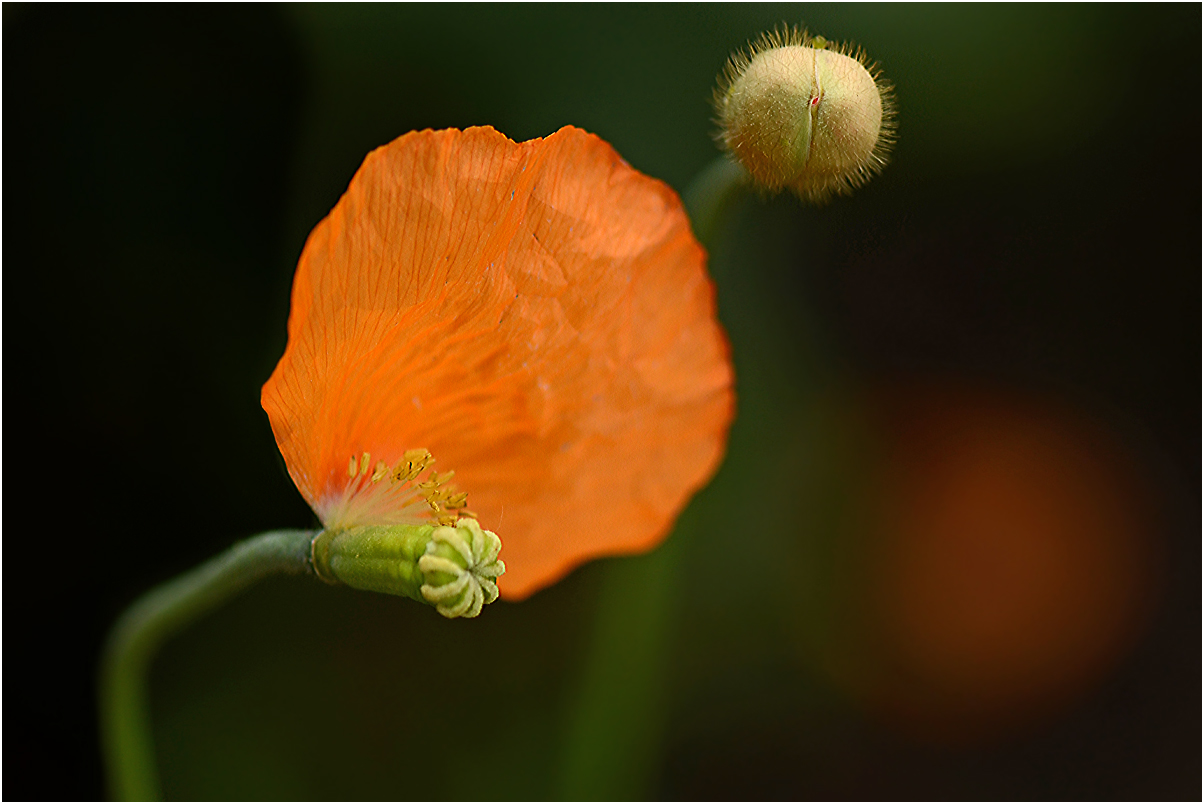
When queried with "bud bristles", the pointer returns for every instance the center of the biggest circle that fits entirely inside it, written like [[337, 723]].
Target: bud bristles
[[805, 114]]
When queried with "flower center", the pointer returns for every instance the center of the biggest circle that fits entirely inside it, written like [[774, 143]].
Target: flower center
[[408, 492]]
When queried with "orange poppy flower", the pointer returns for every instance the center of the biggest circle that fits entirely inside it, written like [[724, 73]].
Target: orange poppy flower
[[536, 316]]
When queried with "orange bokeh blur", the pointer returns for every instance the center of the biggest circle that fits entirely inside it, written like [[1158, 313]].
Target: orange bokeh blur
[[1007, 563]]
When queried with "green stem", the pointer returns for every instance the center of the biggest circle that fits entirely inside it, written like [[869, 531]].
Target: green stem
[[616, 721], [616, 725], [157, 615], [710, 195]]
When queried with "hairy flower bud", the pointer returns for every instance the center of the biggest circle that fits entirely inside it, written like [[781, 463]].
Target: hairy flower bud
[[798, 113]]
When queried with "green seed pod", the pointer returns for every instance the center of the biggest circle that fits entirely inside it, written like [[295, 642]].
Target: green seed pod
[[455, 569], [799, 113]]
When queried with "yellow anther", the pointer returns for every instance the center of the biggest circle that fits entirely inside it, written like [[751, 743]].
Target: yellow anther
[[411, 466], [401, 472], [467, 514], [433, 499]]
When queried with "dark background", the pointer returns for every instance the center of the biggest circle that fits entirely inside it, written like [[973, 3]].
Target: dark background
[[1036, 237]]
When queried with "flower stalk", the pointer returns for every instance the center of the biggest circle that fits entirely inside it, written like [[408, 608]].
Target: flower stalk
[[711, 194], [616, 720], [454, 569], [159, 614]]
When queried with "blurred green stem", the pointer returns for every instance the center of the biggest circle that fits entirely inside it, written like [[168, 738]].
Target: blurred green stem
[[616, 722], [616, 725], [157, 615], [711, 194]]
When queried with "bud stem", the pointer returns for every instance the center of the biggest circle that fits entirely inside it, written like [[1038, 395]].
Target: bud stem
[[710, 195], [616, 720], [159, 614]]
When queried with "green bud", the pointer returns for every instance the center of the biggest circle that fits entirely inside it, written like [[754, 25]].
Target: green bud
[[806, 115], [455, 569]]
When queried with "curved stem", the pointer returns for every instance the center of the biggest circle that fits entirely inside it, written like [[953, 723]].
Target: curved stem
[[616, 717], [710, 194], [157, 615]]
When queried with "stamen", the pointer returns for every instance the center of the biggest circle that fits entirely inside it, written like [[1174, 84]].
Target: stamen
[[413, 463], [415, 493]]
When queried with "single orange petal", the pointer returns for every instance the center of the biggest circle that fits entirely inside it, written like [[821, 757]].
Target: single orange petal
[[537, 316]]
